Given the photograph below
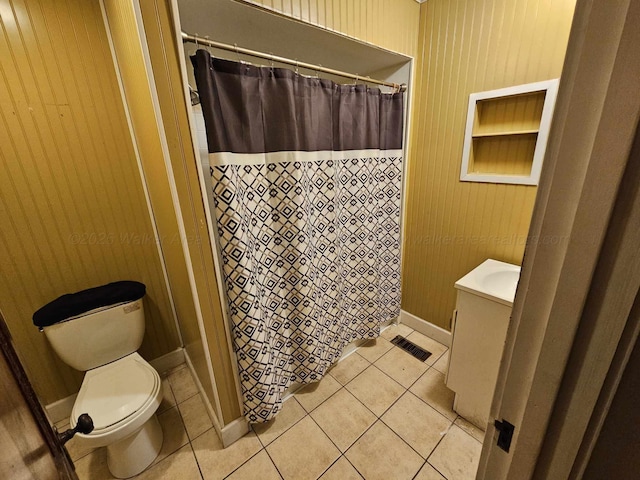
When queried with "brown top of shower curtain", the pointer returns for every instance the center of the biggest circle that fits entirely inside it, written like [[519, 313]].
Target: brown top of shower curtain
[[250, 109]]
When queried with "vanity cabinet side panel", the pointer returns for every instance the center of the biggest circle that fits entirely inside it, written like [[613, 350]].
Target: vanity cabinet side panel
[[477, 344]]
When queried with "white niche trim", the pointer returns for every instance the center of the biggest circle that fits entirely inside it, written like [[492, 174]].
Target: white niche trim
[[507, 132]]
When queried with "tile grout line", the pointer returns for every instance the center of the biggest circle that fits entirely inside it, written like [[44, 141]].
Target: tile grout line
[[422, 375], [184, 426], [314, 408], [442, 474], [196, 458], [354, 442], [428, 368], [201, 434], [400, 436], [283, 432], [247, 461], [356, 353], [329, 467], [437, 445], [272, 461], [354, 467]]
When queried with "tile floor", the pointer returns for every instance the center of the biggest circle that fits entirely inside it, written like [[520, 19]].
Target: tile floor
[[379, 414]]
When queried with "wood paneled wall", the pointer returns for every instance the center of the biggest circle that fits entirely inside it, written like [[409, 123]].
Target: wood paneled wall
[[73, 213], [160, 36], [452, 226], [390, 24]]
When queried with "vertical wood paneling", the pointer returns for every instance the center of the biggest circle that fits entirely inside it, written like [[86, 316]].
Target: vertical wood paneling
[[160, 37], [452, 226], [72, 206], [390, 24]]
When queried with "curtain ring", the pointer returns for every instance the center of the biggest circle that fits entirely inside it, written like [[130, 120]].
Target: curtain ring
[[195, 40], [317, 72], [208, 46], [355, 82], [237, 52], [297, 70]]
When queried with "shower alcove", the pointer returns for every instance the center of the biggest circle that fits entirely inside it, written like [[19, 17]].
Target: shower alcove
[[244, 25]]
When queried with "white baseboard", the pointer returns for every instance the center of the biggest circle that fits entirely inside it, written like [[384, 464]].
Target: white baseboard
[[168, 361], [429, 329], [61, 409], [234, 431]]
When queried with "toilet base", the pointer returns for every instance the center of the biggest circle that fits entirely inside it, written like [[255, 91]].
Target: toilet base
[[131, 455]]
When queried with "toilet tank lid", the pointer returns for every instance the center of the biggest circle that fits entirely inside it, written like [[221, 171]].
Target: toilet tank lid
[[74, 304]]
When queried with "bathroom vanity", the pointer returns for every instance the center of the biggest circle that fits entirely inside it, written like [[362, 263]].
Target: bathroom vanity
[[483, 309]]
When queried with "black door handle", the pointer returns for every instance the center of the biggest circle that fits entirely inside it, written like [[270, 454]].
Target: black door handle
[[84, 425]]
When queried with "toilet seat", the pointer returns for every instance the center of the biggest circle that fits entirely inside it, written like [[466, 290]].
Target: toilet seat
[[119, 396]]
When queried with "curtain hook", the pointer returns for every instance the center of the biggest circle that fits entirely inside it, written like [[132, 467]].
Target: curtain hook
[[206, 37], [237, 52], [355, 82], [297, 70], [318, 72], [195, 40]]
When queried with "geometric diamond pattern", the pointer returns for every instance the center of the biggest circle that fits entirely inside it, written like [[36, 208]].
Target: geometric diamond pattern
[[311, 260]]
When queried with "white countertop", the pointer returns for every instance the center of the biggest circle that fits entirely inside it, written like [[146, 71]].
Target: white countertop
[[493, 280]]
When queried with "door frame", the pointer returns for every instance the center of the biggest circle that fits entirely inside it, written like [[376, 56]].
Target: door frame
[[56, 450], [591, 138]]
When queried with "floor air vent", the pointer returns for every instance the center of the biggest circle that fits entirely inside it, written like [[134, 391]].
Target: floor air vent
[[410, 347]]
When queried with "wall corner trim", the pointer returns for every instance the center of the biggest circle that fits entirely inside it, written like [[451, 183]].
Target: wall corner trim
[[426, 328], [234, 431], [168, 361]]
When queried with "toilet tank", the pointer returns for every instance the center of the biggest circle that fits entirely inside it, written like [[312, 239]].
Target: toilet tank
[[93, 327]]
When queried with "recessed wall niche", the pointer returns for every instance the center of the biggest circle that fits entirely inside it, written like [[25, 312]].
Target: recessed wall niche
[[507, 132]]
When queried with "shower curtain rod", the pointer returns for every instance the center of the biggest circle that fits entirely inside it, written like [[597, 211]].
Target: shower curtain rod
[[186, 37]]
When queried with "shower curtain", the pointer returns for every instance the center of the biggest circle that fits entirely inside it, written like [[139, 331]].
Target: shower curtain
[[307, 180]]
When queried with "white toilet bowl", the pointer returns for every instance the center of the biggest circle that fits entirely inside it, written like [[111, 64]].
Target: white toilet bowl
[[122, 397]]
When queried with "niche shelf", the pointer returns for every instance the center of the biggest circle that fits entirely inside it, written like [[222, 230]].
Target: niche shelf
[[507, 132]]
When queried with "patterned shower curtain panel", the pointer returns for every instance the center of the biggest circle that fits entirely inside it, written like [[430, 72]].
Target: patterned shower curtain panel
[[307, 180]]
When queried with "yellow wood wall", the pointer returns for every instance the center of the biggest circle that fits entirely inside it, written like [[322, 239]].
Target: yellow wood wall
[[160, 36], [390, 24], [452, 226], [72, 209]]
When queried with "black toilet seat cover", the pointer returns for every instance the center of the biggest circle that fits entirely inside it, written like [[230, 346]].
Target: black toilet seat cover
[[73, 304]]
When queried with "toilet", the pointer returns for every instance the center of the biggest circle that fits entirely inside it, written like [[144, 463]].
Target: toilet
[[99, 331]]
